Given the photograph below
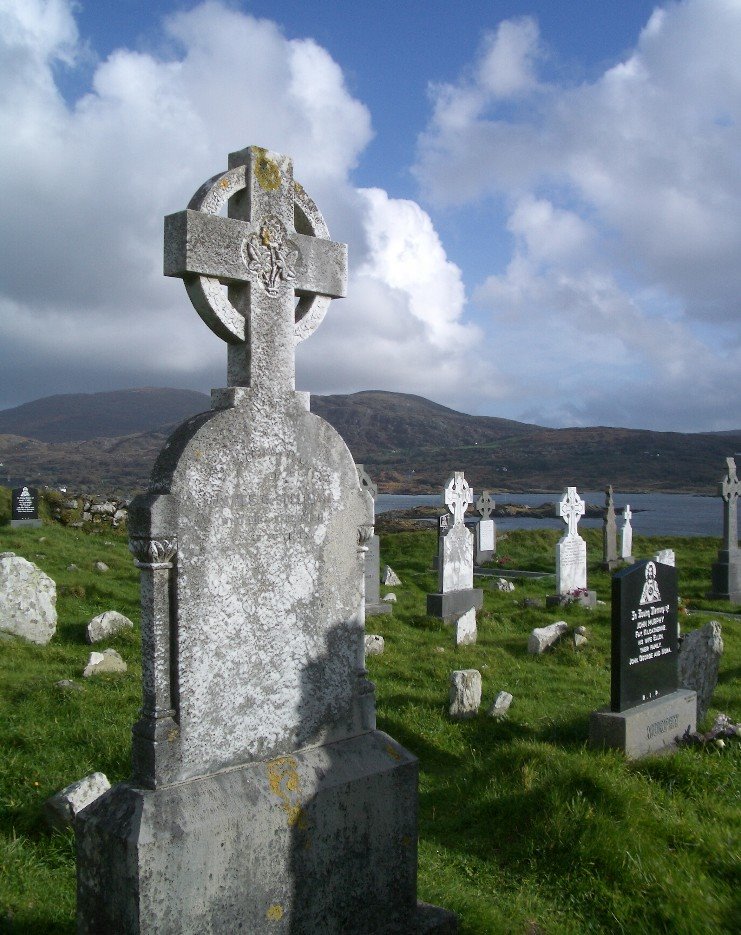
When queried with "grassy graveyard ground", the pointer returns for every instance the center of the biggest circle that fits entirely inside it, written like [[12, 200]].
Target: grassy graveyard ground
[[523, 829]]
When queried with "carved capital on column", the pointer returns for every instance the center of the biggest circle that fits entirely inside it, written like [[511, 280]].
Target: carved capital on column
[[153, 553]]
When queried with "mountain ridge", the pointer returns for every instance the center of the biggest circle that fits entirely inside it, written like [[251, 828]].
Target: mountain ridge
[[108, 441]]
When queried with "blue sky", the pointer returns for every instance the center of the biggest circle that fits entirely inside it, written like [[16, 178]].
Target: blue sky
[[541, 200]]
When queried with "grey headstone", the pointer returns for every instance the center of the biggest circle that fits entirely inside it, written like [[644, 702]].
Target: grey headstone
[[62, 809], [28, 600], [465, 693], [699, 662], [609, 532], [106, 625], [262, 797], [726, 571]]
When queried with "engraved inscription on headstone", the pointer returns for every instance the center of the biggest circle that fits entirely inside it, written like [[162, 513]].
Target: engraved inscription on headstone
[[24, 507], [644, 634]]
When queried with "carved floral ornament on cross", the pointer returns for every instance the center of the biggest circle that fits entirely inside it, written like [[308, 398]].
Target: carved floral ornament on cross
[[458, 496]]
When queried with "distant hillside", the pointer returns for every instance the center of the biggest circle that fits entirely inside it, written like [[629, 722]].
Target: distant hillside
[[407, 443], [80, 416]]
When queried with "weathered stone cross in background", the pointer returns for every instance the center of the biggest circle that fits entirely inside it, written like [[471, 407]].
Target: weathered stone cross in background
[[571, 509], [458, 495], [730, 487], [485, 505], [272, 247]]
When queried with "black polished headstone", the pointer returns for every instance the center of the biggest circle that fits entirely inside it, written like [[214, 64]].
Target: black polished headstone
[[644, 634], [24, 505]]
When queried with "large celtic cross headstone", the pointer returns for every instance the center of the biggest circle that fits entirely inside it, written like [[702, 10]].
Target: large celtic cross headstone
[[571, 549], [258, 774], [273, 247]]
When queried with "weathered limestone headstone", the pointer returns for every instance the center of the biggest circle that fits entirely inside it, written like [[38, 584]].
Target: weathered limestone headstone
[[726, 572], [373, 603], [648, 711], [699, 661], [457, 600], [626, 536], [465, 693], [485, 530], [24, 507], [262, 797], [106, 625], [609, 533], [28, 599]]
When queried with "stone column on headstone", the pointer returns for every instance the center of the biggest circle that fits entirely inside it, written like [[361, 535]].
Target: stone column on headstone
[[726, 571], [258, 771], [648, 712], [373, 603], [609, 533], [626, 536], [456, 600], [485, 531]]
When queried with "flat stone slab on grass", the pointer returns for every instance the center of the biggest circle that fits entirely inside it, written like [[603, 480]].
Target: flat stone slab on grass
[[465, 693], [543, 638], [62, 808], [699, 661], [106, 625], [102, 663], [28, 598]]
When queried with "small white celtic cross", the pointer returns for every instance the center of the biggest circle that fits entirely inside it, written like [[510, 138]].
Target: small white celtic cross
[[627, 514], [485, 505], [458, 495], [571, 509]]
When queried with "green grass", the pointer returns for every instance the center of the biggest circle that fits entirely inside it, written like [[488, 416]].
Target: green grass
[[523, 829]]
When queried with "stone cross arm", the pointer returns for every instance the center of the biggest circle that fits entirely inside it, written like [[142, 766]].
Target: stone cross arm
[[199, 244]]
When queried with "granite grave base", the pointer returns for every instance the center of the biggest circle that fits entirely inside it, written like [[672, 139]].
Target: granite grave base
[[31, 523], [585, 600], [725, 577], [323, 840], [651, 727], [450, 604]]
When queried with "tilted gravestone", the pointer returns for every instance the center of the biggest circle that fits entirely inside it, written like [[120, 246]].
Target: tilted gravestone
[[609, 533], [262, 797], [457, 600], [485, 530], [626, 536], [726, 572], [373, 603], [648, 711], [24, 507]]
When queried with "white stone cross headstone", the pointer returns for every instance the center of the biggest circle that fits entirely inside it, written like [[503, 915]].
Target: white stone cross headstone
[[626, 550], [458, 496], [272, 247], [571, 509]]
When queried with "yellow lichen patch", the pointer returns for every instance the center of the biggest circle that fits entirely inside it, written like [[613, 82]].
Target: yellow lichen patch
[[173, 734], [267, 172], [284, 783], [224, 183], [393, 752], [274, 913]]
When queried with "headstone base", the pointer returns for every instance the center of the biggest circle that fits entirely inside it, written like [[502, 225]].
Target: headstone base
[[373, 610], [454, 603], [652, 727], [725, 577], [32, 523], [323, 840], [612, 564], [558, 600]]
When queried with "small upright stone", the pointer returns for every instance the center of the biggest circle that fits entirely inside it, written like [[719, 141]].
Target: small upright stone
[[465, 693], [28, 598], [389, 578], [699, 662], [501, 705], [62, 809], [374, 644], [106, 625]]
